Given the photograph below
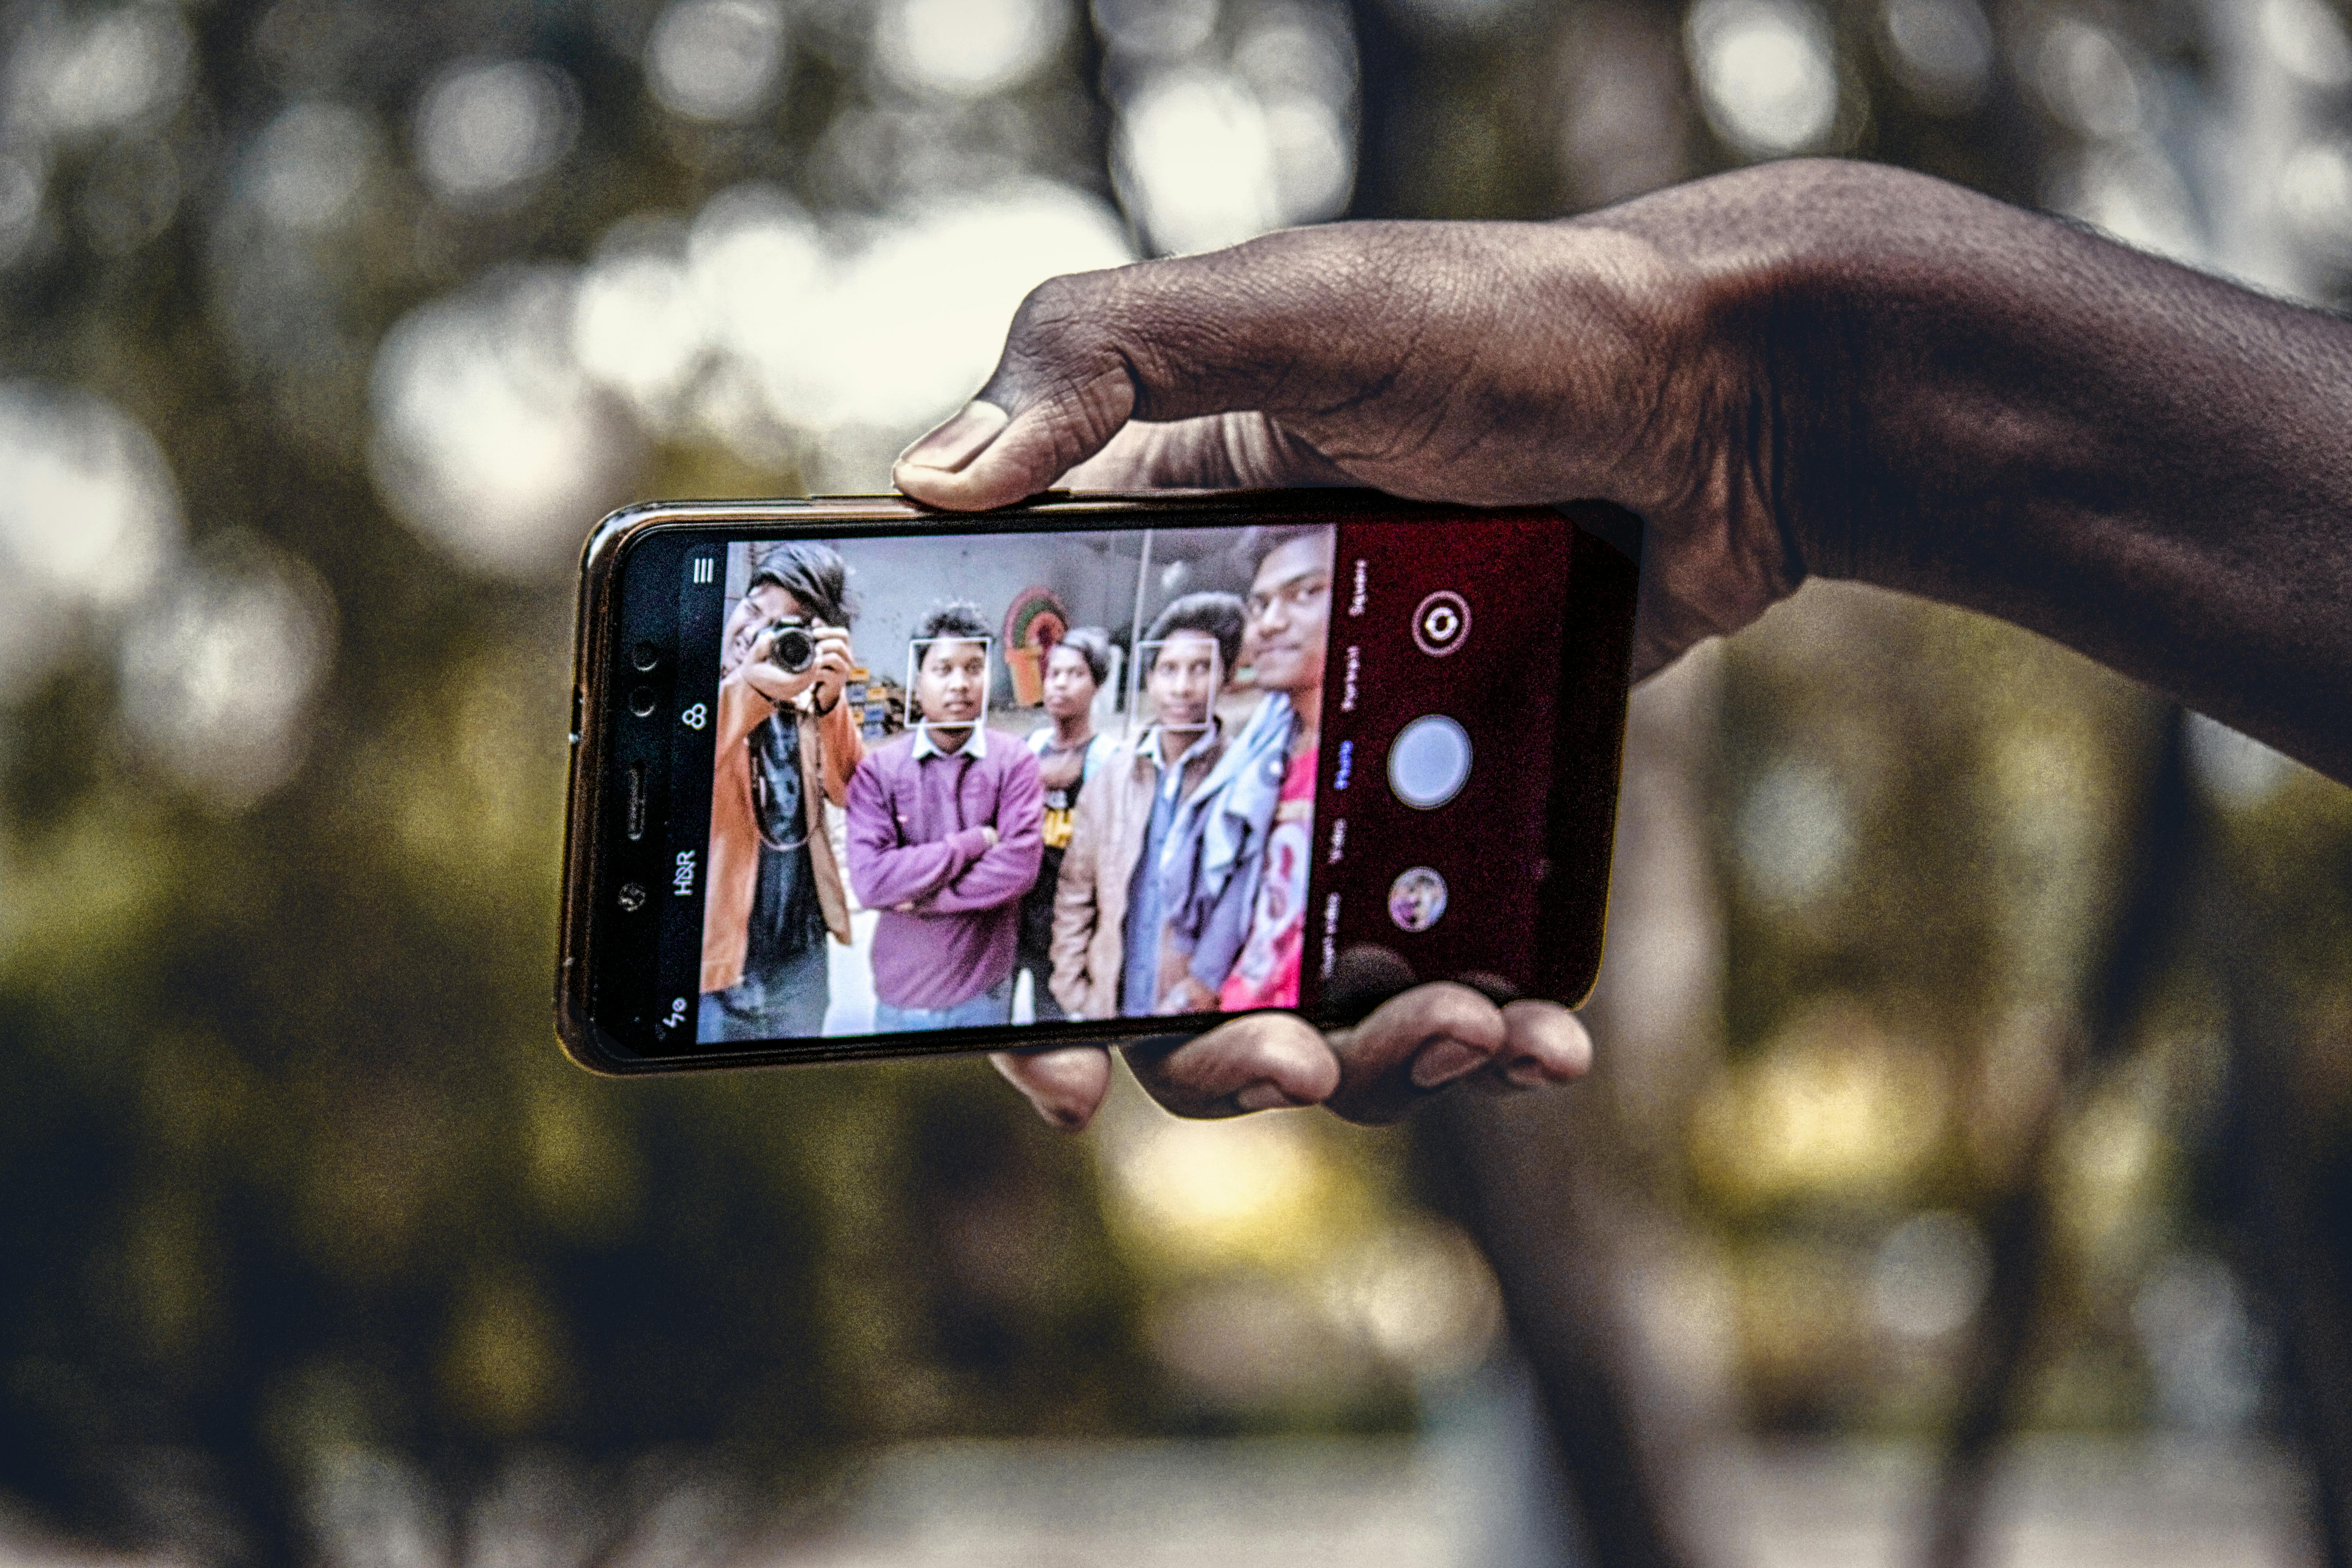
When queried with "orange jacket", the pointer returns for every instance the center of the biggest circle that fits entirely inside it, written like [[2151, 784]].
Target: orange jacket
[[831, 747]]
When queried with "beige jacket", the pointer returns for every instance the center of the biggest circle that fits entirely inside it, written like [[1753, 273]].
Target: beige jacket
[[831, 747], [1106, 838]]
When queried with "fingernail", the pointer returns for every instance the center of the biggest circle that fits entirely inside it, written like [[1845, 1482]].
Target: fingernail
[[956, 442], [1263, 1096], [1445, 1061], [1526, 1073]]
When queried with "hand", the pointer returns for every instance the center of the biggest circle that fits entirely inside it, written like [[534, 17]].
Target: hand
[[989, 834], [1809, 365], [1409, 1048], [1805, 365], [1399, 356], [1491, 363], [778, 686], [832, 665]]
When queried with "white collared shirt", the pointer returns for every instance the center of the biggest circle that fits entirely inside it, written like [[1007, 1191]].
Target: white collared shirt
[[1171, 774], [975, 745]]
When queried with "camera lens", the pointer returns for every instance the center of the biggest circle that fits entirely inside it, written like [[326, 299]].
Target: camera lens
[[633, 897], [792, 650], [641, 701], [645, 656]]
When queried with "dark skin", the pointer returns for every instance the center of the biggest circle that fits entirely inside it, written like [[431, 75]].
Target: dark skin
[[1804, 368]]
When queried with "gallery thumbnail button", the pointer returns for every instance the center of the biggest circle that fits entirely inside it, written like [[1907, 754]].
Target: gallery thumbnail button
[[1429, 762]]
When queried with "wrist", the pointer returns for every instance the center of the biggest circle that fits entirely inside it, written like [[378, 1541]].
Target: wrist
[[1714, 329], [1820, 315]]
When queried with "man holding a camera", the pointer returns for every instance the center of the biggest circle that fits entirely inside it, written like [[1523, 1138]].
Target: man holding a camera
[[787, 745]]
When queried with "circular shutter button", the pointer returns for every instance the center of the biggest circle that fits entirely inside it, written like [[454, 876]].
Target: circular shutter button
[[1429, 762]]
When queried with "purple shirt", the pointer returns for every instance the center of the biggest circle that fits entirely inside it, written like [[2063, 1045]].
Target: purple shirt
[[914, 838]]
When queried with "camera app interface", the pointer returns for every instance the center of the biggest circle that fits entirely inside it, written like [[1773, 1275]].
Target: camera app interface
[[1000, 779]]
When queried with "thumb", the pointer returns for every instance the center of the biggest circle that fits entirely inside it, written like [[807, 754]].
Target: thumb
[[1280, 323]]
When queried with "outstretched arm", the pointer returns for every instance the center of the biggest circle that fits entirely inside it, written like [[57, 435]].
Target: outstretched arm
[[1808, 366]]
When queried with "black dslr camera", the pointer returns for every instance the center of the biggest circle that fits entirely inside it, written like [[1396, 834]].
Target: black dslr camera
[[790, 648]]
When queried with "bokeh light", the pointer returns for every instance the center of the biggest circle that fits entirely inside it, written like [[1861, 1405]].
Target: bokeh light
[[2192, 1316], [1208, 151], [2089, 81], [92, 513], [968, 49], [717, 59], [1795, 835], [1941, 50], [488, 436], [1766, 74], [2236, 770], [1196, 162], [2309, 40], [305, 169], [2315, 194], [219, 669], [75, 74], [488, 130], [1929, 1275]]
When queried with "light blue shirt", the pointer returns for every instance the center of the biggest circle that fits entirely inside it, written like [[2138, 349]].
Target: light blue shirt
[[1147, 911]]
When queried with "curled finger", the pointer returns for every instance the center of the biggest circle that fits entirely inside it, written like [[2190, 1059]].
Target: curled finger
[[1544, 1043], [1065, 1084], [1413, 1044], [1261, 1061]]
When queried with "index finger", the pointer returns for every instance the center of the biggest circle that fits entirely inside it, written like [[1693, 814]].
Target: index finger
[[1291, 322]]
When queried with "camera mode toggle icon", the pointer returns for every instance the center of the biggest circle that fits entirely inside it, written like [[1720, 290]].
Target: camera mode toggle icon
[[1441, 622]]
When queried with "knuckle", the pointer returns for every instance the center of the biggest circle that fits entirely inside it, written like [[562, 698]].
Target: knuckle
[[1051, 314]]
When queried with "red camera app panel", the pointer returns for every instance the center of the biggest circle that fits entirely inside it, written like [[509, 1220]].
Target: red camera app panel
[[1439, 711]]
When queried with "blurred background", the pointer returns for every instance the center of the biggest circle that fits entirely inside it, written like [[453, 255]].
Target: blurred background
[[1967, 1174]]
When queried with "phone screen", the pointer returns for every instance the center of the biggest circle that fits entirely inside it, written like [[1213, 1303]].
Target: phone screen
[[919, 782]]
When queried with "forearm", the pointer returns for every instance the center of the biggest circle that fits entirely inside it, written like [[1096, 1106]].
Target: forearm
[[1972, 403], [1002, 873], [1007, 868], [2142, 462], [884, 873], [998, 878]]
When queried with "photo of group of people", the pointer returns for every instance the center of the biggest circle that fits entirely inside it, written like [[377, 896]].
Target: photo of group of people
[[985, 780]]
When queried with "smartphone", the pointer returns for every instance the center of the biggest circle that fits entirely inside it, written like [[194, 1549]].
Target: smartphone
[[854, 778]]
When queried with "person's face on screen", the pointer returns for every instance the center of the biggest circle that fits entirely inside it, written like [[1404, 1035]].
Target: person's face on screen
[[1069, 683], [1290, 613], [1184, 680], [952, 680], [754, 613]]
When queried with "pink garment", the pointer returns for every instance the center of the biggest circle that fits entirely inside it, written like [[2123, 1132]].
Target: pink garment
[[1266, 973]]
